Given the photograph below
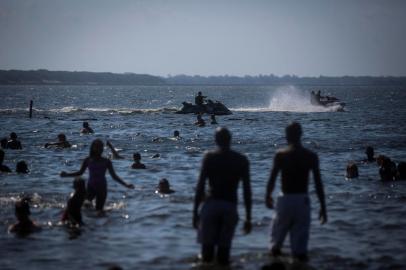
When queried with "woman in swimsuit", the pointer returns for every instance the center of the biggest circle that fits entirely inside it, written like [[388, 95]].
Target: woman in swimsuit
[[98, 165]]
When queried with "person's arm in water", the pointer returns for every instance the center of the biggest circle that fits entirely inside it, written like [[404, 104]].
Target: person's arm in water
[[247, 197], [113, 151], [78, 173], [116, 177], [319, 190], [271, 182], [199, 195]]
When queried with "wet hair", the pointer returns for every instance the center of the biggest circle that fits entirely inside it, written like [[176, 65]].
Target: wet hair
[[22, 167], [22, 207], [199, 93], [352, 170], [136, 156], [223, 137], [293, 132], [85, 124], [96, 148], [61, 137], [212, 116], [79, 185], [199, 116], [176, 133], [13, 135]]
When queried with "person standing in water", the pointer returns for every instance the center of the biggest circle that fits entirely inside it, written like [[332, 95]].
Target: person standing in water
[[98, 165], [218, 217], [292, 209]]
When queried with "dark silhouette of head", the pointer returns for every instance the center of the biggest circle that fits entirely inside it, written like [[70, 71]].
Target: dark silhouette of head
[[96, 148], [79, 185], [223, 137], [213, 117], [199, 93], [85, 124], [352, 170], [13, 135], [61, 137], [22, 167], [176, 133], [293, 133], [164, 187], [22, 209], [199, 117], [136, 156], [369, 151]]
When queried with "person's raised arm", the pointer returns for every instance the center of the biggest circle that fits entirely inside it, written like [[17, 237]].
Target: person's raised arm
[[199, 195], [319, 190], [247, 197], [78, 173], [116, 177], [271, 182], [113, 151]]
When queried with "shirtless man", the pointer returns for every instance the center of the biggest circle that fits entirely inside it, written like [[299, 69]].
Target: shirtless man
[[292, 211], [218, 217]]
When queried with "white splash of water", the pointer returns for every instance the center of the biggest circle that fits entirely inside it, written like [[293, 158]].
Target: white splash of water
[[290, 99]]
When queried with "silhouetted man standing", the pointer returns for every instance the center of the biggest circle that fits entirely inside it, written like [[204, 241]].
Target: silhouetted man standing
[[292, 212], [218, 217]]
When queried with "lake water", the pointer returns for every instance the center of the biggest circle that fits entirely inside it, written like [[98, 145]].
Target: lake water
[[142, 230]]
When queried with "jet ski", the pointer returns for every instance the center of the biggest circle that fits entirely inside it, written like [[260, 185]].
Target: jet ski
[[216, 108]]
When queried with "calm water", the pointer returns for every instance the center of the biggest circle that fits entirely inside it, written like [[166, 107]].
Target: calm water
[[366, 228]]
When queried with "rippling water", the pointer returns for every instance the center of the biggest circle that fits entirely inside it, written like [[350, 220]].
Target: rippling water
[[366, 228]]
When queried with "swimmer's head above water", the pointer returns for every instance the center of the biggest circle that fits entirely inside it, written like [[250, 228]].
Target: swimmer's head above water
[[96, 148]]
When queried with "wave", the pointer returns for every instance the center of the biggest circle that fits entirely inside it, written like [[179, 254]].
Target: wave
[[72, 109]]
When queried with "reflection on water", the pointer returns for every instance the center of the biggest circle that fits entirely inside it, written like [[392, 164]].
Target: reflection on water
[[144, 230]]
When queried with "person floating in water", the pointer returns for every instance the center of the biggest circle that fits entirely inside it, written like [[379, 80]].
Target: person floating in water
[[352, 170], [98, 165], [213, 119], [72, 214], [369, 151], [200, 122], [22, 167], [199, 99], [61, 143], [292, 209], [13, 143], [218, 216], [176, 135], [137, 162], [3, 168], [387, 168], [25, 225], [164, 187], [86, 129]]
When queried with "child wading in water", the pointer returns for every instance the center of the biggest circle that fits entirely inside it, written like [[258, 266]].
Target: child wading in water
[[72, 214], [97, 184]]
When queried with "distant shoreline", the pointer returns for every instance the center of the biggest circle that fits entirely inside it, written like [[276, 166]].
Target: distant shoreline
[[46, 77]]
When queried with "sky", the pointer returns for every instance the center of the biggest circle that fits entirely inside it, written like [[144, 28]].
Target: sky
[[210, 37]]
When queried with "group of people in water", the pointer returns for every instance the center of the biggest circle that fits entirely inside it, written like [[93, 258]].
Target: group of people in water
[[215, 214], [388, 171]]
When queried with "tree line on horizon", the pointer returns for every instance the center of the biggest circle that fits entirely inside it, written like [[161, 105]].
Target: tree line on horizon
[[42, 76]]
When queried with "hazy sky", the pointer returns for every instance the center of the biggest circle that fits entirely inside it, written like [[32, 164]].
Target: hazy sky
[[306, 38]]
